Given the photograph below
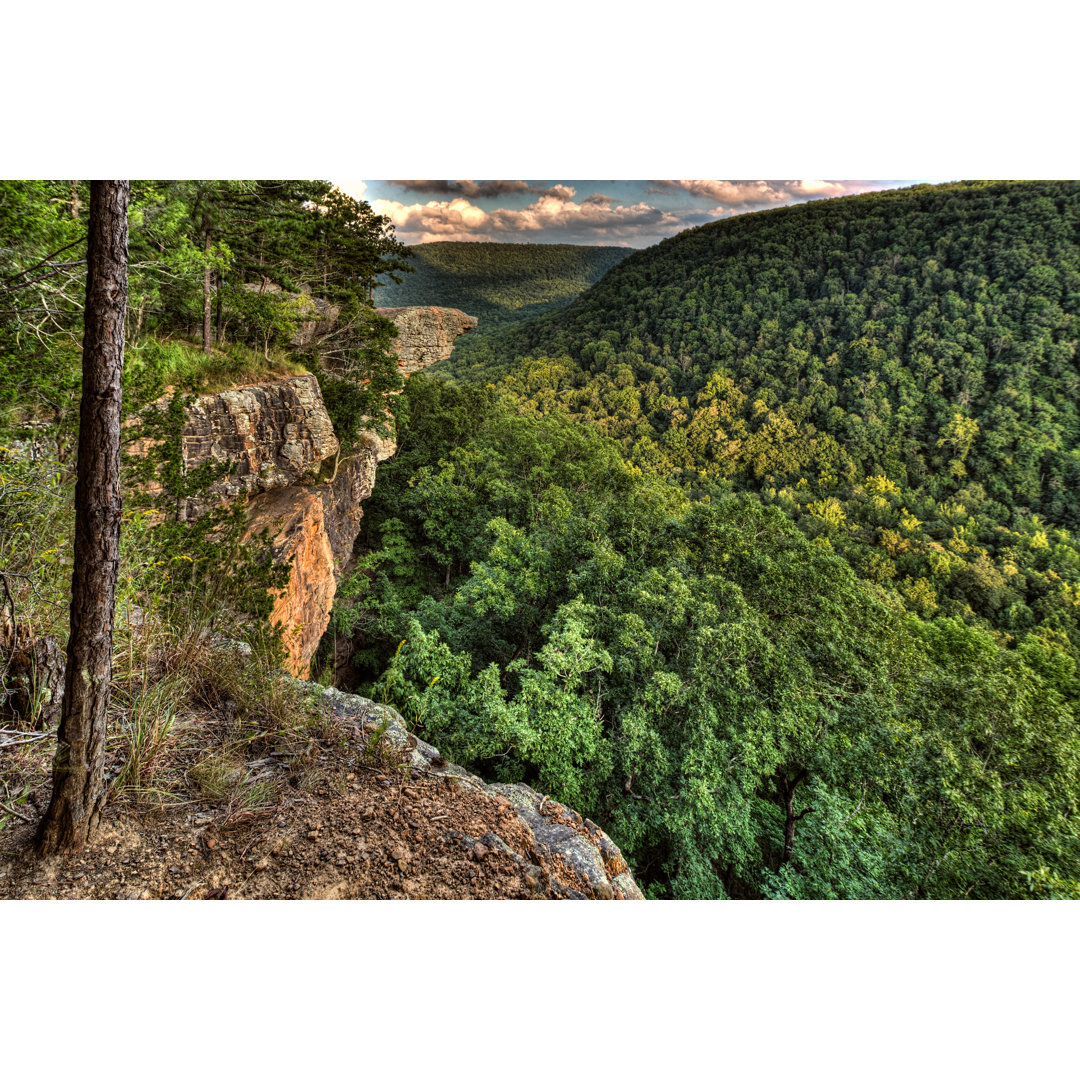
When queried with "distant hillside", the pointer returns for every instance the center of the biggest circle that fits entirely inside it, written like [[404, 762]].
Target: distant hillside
[[898, 371], [879, 319], [498, 283]]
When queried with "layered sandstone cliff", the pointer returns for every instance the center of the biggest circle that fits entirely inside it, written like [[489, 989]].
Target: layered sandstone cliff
[[276, 447], [269, 436], [426, 334]]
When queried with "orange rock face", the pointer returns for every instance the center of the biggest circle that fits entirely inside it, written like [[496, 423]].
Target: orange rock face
[[295, 520], [276, 438]]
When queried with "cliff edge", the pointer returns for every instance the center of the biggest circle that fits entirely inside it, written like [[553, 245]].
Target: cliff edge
[[277, 441]]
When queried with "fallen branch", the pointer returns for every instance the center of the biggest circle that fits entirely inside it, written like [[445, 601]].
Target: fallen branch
[[16, 813]]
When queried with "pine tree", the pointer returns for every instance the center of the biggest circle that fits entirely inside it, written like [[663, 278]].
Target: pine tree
[[79, 765]]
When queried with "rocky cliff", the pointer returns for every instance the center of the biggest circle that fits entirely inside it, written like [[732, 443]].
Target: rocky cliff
[[557, 852], [270, 436], [426, 334], [278, 445]]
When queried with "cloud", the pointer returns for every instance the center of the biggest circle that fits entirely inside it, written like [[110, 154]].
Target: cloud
[[457, 219], [554, 216], [470, 189], [356, 188], [728, 192], [755, 194]]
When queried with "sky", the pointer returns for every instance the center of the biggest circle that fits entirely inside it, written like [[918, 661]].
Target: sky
[[623, 213]]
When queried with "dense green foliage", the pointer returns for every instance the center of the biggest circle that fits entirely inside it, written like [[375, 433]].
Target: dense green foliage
[[897, 372], [242, 258], [721, 693], [795, 612]]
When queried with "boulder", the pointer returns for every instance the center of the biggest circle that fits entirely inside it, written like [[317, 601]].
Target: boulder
[[426, 335]]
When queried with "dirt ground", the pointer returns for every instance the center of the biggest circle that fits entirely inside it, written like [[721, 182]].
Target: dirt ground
[[342, 829]]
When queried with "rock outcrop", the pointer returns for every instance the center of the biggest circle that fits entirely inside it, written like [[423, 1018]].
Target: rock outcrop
[[270, 436], [315, 526], [276, 441], [565, 856], [426, 334]]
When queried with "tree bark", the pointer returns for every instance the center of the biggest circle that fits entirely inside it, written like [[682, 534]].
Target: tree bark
[[79, 765], [218, 336], [787, 786], [206, 305]]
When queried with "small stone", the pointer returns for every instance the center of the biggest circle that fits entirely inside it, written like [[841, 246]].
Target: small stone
[[313, 835], [479, 851], [211, 843], [263, 864]]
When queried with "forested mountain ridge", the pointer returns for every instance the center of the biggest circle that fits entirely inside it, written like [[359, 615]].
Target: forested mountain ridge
[[719, 561], [897, 371], [498, 283]]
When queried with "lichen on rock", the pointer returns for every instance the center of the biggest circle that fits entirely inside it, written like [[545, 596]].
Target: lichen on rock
[[569, 857]]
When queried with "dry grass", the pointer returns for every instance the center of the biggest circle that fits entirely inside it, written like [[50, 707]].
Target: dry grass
[[189, 706], [184, 365]]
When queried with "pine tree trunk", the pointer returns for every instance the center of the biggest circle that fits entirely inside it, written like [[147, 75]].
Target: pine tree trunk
[[206, 305], [218, 337], [79, 766]]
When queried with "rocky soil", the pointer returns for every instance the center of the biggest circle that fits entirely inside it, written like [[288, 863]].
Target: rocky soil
[[367, 811]]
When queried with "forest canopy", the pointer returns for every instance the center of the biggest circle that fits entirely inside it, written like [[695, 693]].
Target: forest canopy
[[761, 551]]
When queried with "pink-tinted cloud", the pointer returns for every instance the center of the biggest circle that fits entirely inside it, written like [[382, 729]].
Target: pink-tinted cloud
[[555, 215], [755, 194]]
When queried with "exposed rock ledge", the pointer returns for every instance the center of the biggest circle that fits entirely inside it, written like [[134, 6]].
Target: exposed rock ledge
[[568, 857], [271, 436], [426, 334], [275, 438]]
